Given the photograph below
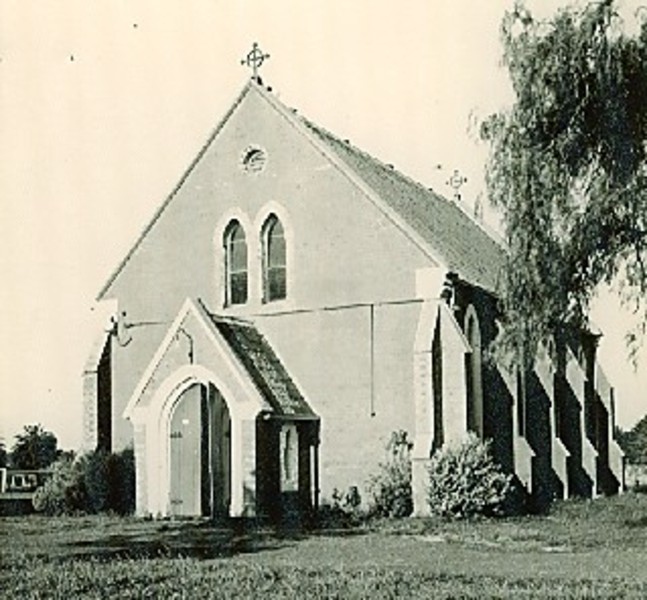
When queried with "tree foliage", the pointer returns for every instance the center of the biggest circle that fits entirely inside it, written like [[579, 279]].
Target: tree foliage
[[634, 443], [34, 448], [567, 168], [3, 455]]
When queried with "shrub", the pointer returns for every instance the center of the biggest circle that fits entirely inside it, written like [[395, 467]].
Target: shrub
[[390, 489], [96, 482], [95, 467], [122, 482], [348, 502], [64, 492], [464, 481], [344, 509]]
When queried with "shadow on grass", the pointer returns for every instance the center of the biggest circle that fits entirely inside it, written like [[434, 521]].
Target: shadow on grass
[[199, 539], [638, 522]]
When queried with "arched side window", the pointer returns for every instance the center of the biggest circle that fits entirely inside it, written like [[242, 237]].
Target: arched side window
[[274, 260], [235, 264], [289, 447], [522, 409], [474, 374]]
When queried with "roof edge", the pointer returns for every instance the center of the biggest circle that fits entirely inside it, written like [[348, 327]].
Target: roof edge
[[187, 306], [195, 308], [299, 124], [160, 210], [434, 252], [428, 190]]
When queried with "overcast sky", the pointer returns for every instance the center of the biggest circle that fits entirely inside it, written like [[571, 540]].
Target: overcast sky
[[103, 104]]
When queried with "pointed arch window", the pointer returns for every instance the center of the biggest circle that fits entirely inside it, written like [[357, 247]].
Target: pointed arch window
[[289, 442], [274, 260], [235, 264], [522, 402], [474, 374]]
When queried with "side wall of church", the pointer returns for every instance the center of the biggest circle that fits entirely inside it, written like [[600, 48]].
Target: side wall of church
[[342, 249], [355, 366], [545, 434], [521, 437]]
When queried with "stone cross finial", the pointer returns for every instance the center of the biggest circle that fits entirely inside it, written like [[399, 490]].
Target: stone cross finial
[[254, 59], [456, 181]]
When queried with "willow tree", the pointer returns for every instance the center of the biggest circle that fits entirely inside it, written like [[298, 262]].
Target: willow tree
[[567, 168]]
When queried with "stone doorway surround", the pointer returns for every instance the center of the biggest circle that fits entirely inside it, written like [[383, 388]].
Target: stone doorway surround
[[153, 451]]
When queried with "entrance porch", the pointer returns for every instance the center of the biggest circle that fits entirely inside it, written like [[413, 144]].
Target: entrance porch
[[221, 430]]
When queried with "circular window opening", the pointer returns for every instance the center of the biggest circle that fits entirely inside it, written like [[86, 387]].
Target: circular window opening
[[254, 159]]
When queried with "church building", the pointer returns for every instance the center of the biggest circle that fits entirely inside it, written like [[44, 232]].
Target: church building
[[292, 303]]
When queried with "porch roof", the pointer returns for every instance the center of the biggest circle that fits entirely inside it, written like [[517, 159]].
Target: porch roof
[[264, 368]]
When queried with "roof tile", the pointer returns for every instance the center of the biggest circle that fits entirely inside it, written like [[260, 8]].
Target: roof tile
[[464, 244], [264, 367]]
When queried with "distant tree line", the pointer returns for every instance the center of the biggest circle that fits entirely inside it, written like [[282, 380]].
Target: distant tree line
[[634, 442], [34, 448], [92, 482]]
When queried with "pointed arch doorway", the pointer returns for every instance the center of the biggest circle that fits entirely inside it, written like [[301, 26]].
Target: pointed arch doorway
[[200, 453]]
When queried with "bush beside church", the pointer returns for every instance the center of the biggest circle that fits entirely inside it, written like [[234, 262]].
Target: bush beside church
[[92, 483]]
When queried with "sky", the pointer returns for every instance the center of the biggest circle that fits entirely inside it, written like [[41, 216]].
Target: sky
[[104, 104]]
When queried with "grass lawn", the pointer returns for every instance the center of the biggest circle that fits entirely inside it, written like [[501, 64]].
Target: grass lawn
[[581, 550]]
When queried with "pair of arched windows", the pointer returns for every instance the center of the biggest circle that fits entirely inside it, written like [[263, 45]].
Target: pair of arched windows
[[273, 262]]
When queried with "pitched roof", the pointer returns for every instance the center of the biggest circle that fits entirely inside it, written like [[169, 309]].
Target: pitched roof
[[264, 368], [463, 244]]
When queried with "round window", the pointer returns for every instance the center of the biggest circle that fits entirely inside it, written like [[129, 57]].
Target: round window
[[253, 159]]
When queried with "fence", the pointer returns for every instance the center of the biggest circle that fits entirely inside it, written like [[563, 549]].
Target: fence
[[16, 483]]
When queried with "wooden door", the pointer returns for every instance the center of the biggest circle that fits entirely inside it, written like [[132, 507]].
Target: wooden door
[[186, 455], [221, 453]]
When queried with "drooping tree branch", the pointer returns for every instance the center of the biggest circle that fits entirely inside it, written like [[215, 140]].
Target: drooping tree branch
[[568, 169]]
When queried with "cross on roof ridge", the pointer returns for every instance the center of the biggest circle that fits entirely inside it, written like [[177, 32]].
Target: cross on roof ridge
[[254, 59], [456, 181]]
